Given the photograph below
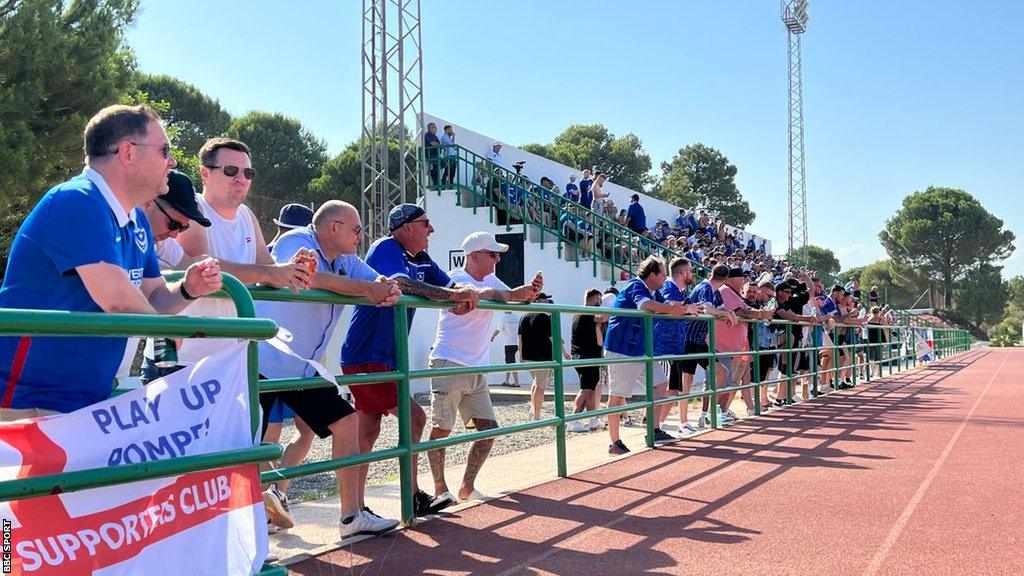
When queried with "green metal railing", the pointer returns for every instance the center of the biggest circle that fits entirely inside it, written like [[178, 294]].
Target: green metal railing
[[57, 323], [525, 201], [897, 358], [897, 354]]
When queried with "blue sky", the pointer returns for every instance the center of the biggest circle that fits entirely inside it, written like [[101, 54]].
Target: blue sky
[[898, 95]]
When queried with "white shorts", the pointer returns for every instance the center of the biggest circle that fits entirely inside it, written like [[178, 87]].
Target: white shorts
[[629, 378]]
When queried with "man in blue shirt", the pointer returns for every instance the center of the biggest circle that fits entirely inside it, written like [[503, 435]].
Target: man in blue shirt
[[449, 153], [669, 337], [432, 144], [87, 247], [331, 240], [572, 191], [695, 333], [625, 337], [370, 343], [586, 195], [636, 220]]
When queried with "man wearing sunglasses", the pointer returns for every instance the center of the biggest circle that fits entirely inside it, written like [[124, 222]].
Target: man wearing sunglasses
[[462, 341], [370, 342], [233, 237], [332, 240], [87, 247]]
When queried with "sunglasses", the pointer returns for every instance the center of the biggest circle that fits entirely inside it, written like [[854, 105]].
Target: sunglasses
[[356, 230], [230, 171], [172, 224], [165, 149]]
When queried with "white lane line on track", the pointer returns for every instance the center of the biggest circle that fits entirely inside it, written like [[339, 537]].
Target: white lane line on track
[[908, 511]]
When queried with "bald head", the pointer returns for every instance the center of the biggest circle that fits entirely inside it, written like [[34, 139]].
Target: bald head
[[334, 210]]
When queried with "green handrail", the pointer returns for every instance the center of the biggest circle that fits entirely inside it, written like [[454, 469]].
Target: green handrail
[[403, 374], [547, 202]]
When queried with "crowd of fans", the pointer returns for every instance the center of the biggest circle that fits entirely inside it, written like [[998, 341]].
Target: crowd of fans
[[98, 242]]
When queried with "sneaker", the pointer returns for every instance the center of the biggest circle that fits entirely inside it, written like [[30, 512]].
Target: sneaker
[[751, 412], [271, 527], [779, 403], [817, 393], [577, 427], [703, 421], [596, 424], [276, 504], [364, 523], [731, 414], [797, 398], [616, 448], [424, 504], [687, 429], [724, 419], [627, 420], [662, 437]]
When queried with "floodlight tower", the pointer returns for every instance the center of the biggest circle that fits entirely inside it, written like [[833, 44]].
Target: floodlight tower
[[392, 110], [795, 18]]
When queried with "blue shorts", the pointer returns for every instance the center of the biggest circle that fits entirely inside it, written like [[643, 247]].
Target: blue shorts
[[280, 412]]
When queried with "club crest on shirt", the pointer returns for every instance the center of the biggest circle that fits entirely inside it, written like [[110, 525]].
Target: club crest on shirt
[[141, 238]]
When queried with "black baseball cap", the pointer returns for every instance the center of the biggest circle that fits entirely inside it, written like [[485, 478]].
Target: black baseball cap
[[181, 195]]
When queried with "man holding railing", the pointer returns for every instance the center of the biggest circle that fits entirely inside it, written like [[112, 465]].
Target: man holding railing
[[461, 341], [86, 247], [331, 240], [370, 343], [706, 294], [625, 338]]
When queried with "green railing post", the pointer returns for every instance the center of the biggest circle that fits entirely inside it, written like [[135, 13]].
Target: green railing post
[[649, 377], [556, 354], [836, 370], [711, 374], [913, 346], [405, 470], [755, 375], [789, 363], [814, 355]]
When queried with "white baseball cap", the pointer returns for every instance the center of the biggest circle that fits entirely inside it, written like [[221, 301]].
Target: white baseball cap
[[478, 241]]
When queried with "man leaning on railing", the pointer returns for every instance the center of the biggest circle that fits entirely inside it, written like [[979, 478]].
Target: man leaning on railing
[[86, 247]]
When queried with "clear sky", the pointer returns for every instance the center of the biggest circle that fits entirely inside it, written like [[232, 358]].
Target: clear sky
[[898, 95]]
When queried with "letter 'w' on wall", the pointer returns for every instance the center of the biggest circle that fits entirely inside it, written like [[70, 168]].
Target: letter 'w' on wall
[[209, 522]]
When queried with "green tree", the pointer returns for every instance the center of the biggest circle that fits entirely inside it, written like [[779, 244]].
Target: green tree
[[702, 175], [592, 146], [893, 288], [341, 176], [286, 156], [819, 259], [945, 232], [195, 116], [981, 294], [60, 62]]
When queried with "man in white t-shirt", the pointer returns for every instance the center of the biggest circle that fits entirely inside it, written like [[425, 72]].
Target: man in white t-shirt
[[462, 341], [509, 329]]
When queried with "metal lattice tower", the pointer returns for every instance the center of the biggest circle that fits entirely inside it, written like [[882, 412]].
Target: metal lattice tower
[[795, 18], [392, 110]]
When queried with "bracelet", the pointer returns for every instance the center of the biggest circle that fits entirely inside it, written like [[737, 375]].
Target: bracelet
[[184, 292]]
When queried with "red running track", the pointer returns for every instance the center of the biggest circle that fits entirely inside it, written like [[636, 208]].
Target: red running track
[[920, 473]]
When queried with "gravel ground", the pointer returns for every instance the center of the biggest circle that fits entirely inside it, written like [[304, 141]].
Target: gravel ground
[[507, 411]]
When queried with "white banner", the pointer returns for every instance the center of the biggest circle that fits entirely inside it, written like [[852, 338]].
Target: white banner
[[209, 522], [925, 345]]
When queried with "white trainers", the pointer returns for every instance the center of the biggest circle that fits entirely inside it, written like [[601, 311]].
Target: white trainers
[[276, 504], [687, 429], [595, 423], [577, 427], [751, 412], [363, 522], [703, 421], [724, 419]]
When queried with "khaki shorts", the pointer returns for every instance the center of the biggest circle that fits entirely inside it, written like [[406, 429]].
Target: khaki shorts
[[541, 378], [629, 378], [12, 414], [466, 396]]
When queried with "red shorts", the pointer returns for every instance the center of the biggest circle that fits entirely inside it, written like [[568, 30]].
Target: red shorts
[[374, 399]]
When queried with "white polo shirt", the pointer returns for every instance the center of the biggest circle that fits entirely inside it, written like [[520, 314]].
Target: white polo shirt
[[464, 339]]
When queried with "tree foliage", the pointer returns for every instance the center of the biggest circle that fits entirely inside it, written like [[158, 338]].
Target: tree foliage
[[592, 146], [194, 116], [819, 259], [945, 232], [701, 175], [981, 294], [60, 63], [286, 156], [897, 287]]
